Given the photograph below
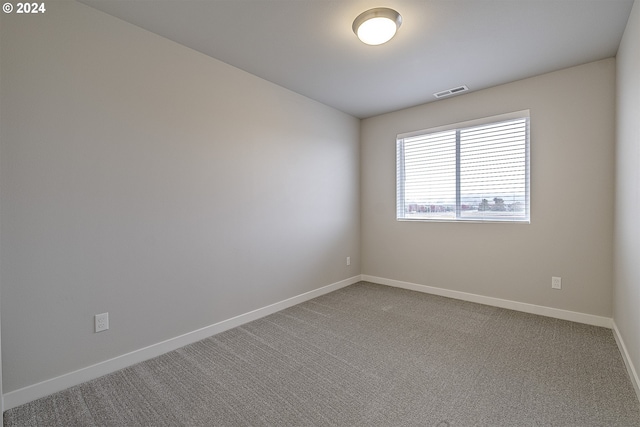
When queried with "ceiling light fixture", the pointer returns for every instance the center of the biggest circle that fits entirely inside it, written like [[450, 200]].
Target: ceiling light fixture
[[377, 26]]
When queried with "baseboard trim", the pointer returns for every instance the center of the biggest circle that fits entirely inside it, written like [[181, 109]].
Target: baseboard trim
[[633, 374], [53, 385], [557, 313]]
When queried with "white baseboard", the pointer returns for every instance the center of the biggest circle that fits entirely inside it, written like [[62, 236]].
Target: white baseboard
[[47, 387], [557, 313], [633, 374], [53, 385]]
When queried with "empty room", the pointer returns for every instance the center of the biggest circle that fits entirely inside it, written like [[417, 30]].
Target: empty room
[[320, 213]]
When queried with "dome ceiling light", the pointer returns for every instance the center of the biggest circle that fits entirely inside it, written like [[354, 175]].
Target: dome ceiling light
[[377, 26]]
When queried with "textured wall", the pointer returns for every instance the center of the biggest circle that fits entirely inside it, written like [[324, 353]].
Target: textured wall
[[572, 175], [627, 232], [146, 180]]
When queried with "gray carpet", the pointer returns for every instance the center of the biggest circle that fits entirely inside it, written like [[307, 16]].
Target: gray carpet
[[366, 355]]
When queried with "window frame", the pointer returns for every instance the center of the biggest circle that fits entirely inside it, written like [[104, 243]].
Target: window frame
[[522, 114]]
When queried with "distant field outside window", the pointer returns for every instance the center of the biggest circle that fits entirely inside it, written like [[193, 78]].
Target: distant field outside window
[[472, 171]]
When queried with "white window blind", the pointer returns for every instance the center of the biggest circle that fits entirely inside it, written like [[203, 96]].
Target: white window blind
[[474, 171]]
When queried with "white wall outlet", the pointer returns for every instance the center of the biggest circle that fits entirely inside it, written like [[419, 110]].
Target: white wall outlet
[[556, 282], [348, 260], [102, 322]]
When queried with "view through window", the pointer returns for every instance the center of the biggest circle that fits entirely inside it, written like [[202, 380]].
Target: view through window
[[474, 171]]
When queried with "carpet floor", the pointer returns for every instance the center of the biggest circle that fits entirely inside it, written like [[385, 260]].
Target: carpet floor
[[366, 355]]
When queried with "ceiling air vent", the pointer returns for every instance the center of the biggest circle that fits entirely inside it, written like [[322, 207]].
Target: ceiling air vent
[[450, 92]]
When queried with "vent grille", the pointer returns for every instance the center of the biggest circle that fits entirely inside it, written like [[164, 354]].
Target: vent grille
[[450, 92]]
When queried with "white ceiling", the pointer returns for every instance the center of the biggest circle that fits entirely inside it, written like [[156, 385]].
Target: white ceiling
[[308, 46]]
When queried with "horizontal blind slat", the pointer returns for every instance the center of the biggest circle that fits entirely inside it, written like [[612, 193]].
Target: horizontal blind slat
[[493, 167]]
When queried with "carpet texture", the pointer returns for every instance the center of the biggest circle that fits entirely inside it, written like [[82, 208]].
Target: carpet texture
[[366, 355]]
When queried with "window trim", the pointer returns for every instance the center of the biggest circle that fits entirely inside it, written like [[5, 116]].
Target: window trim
[[521, 114]]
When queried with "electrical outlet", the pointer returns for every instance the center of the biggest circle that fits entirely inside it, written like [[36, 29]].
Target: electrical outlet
[[556, 282], [348, 260], [102, 322]]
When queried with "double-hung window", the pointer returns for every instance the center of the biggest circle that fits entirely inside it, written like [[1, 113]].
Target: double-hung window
[[472, 171]]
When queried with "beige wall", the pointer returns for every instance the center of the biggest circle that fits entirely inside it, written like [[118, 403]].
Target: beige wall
[[572, 171], [144, 179], [626, 314]]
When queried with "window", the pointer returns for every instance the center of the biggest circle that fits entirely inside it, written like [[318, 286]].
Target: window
[[472, 171]]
